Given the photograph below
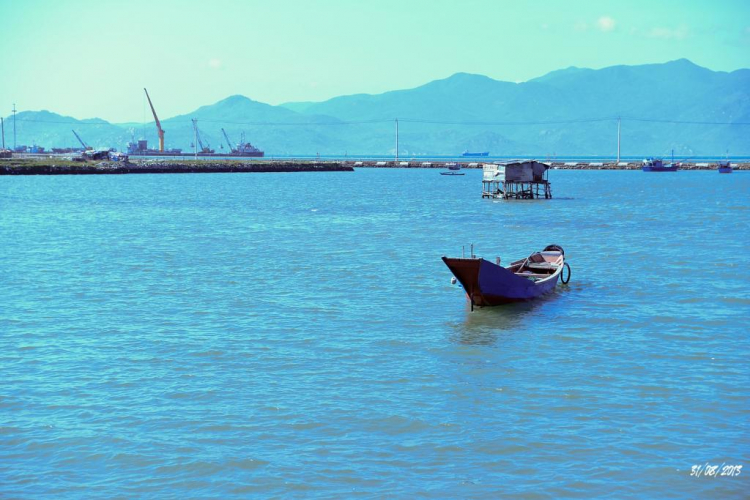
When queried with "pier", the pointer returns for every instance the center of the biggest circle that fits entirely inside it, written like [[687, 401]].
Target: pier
[[555, 165], [58, 166], [61, 164]]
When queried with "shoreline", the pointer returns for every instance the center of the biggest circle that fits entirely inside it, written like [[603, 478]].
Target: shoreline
[[581, 165], [53, 166], [61, 166]]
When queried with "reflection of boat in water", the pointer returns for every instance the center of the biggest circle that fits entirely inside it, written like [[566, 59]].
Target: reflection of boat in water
[[489, 284], [657, 165], [469, 153], [725, 167]]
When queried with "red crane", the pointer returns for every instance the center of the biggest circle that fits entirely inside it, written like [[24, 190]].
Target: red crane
[[159, 130]]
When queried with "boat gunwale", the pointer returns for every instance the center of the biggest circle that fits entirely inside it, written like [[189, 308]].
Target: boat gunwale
[[554, 274]]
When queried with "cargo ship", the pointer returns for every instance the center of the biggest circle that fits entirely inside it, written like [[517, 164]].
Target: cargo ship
[[246, 149], [140, 148], [469, 153]]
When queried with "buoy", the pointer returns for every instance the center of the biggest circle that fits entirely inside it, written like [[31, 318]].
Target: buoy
[[453, 280]]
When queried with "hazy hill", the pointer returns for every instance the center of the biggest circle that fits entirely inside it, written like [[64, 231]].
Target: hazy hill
[[673, 91], [559, 113], [50, 130], [275, 129]]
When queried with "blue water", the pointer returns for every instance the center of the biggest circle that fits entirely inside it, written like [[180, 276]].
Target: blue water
[[297, 335]]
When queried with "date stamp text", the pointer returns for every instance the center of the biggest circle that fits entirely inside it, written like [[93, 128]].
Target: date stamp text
[[709, 470]]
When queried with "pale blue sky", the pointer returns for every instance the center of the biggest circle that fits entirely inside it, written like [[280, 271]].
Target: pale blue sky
[[92, 58]]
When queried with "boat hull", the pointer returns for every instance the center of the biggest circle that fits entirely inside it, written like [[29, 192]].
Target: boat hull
[[725, 170], [659, 169], [487, 284]]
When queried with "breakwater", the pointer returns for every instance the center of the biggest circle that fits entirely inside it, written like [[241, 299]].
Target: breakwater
[[571, 165], [56, 166], [61, 166]]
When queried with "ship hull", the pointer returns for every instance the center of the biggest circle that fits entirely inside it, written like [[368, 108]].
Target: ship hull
[[487, 284], [659, 169]]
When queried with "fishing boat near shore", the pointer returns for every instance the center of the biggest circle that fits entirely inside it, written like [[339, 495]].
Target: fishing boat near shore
[[490, 284], [725, 167], [452, 169], [657, 165]]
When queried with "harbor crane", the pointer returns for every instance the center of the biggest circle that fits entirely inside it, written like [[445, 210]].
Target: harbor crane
[[86, 147], [229, 143], [159, 130], [204, 149]]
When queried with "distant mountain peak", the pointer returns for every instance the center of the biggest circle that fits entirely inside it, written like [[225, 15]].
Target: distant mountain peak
[[42, 113], [682, 61], [235, 99], [461, 76]]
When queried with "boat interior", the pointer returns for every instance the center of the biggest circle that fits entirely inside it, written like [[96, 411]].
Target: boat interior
[[538, 265]]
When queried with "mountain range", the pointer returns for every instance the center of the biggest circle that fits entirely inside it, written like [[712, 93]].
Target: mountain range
[[675, 105]]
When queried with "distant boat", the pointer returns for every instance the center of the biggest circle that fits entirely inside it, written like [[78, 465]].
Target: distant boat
[[489, 284], [453, 166], [468, 153], [725, 167], [657, 165], [452, 173]]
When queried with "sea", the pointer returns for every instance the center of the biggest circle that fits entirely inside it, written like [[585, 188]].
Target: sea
[[296, 335]]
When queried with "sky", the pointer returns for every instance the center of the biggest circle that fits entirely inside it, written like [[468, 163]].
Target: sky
[[92, 58]]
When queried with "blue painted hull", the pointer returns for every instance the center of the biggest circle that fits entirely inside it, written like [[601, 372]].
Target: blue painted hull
[[660, 169], [725, 170], [487, 284], [657, 165]]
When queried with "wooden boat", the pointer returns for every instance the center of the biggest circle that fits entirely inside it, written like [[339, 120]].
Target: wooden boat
[[657, 165], [489, 284]]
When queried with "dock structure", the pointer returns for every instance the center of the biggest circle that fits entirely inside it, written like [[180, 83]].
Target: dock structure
[[516, 180]]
